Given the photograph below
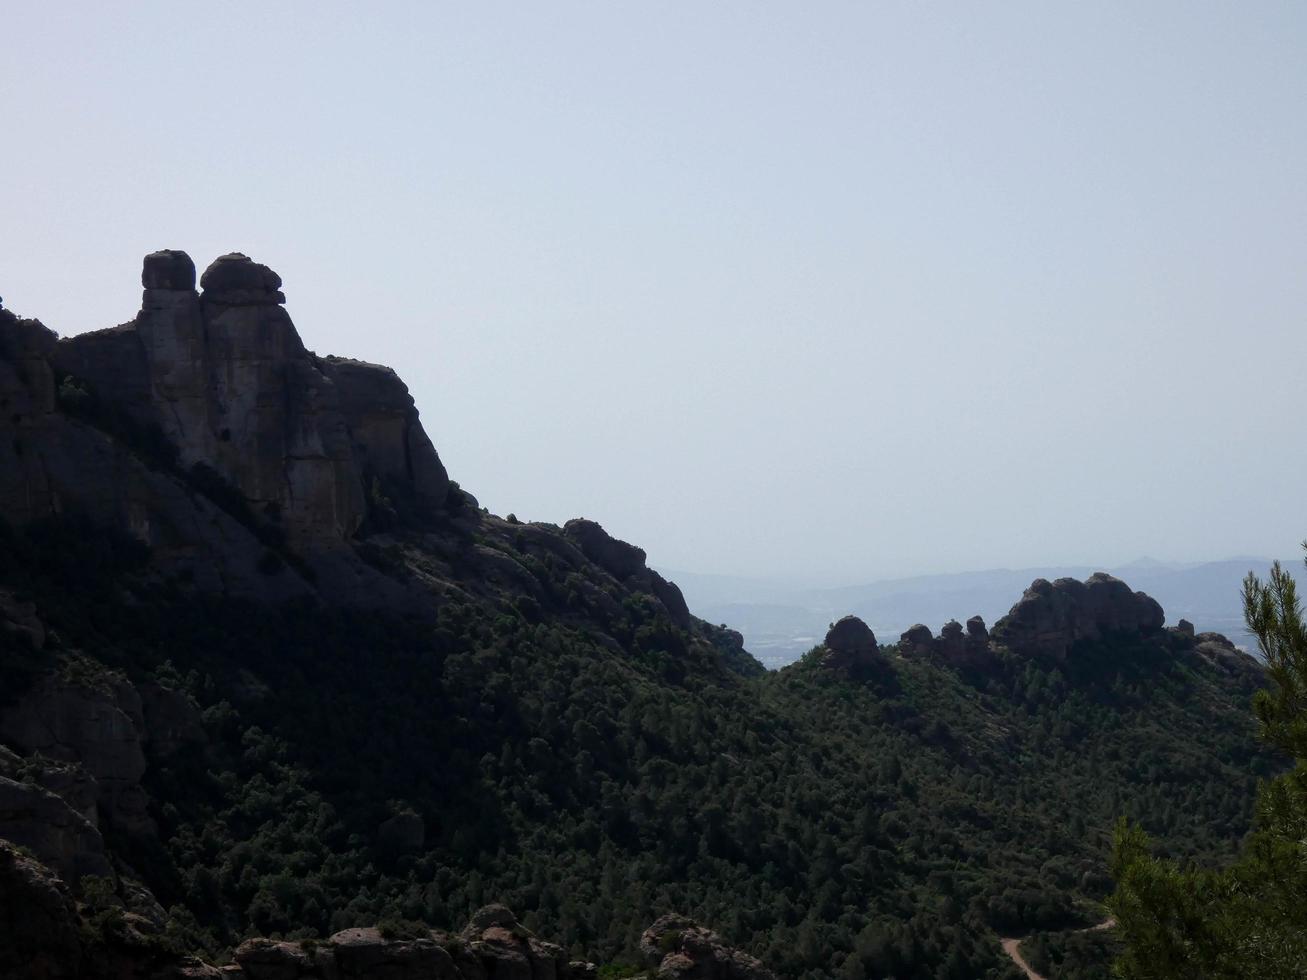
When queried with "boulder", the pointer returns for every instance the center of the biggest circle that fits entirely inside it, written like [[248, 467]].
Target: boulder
[[169, 269], [951, 646], [365, 954], [1051, 617], [681, 949], [235, 279], [1185, 628], [917, 641], [267, 959], [850, 644]]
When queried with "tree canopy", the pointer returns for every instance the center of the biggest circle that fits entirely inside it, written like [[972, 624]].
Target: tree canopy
[[1250, 918]]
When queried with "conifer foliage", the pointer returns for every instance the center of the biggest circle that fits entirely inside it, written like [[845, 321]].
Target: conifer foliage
[[1247, 919]]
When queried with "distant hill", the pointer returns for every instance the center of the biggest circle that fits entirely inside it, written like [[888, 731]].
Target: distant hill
[[780, 621]]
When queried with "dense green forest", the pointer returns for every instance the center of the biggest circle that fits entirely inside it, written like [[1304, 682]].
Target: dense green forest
[[894, 822]]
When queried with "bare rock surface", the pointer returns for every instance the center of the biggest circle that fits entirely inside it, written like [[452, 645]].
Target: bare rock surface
[[678, 948], [56, 833], [1221, 651], [1051, 617], [617, 557], [17, 616], [98, 725], [955, 646], [850, 644], [38, 921]]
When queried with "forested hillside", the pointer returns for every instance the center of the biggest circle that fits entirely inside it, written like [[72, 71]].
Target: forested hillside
[[263, 692], [889, 822]]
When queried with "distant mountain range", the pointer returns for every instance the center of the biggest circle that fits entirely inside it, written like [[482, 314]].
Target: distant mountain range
[[781, 621]]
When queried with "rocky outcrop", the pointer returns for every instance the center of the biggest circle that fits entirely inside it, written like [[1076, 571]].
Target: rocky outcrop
[[38, 921], [954, 645], [617, 557], [493, 946], [626, 563], [223, 376], [917, 641], [850, 645], [98, 725], [1185, 628], [55, 832], [681, 949], [1051, 617], [1218, 650], [20, 618], [390, 445]]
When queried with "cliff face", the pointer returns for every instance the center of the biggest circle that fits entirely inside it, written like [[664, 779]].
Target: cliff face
[[1051, 617], [224, 376], [208, 431]]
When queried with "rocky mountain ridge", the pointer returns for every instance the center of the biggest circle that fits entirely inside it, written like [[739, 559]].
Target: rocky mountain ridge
[[265, 671], [1047, 622]]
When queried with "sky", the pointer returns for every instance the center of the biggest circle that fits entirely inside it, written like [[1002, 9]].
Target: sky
[[823, 290]]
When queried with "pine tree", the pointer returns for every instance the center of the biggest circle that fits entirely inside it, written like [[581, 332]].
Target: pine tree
[[1250, 919]]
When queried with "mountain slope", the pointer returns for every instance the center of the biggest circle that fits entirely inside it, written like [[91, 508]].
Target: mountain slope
[[338, 692]]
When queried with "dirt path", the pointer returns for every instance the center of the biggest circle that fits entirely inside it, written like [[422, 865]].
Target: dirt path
[[1013, 949]]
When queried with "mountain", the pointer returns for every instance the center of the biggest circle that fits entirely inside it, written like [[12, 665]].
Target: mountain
[[273, 687], [781, 620]]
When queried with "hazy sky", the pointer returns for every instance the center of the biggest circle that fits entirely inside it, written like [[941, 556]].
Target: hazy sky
[[842, 289]]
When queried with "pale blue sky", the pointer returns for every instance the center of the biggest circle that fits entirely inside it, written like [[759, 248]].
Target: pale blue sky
[[847, 289]]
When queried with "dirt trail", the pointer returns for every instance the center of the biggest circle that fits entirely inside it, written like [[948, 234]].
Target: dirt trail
[[1013, 949]]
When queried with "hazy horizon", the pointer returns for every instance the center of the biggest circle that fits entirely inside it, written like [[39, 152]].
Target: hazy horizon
[[843, 291]]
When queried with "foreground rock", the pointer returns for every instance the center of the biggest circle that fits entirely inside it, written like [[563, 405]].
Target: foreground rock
[[1053, 616], [681, 949], [492, 945]]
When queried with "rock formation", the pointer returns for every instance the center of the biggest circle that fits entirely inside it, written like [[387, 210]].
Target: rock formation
[[224, 376], [252, 467], [1053, 616], [626, 563], [38, 921], [681, 949], [1219, 650], [850, 644], [952, 646], [97, 726], [492, 945]]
